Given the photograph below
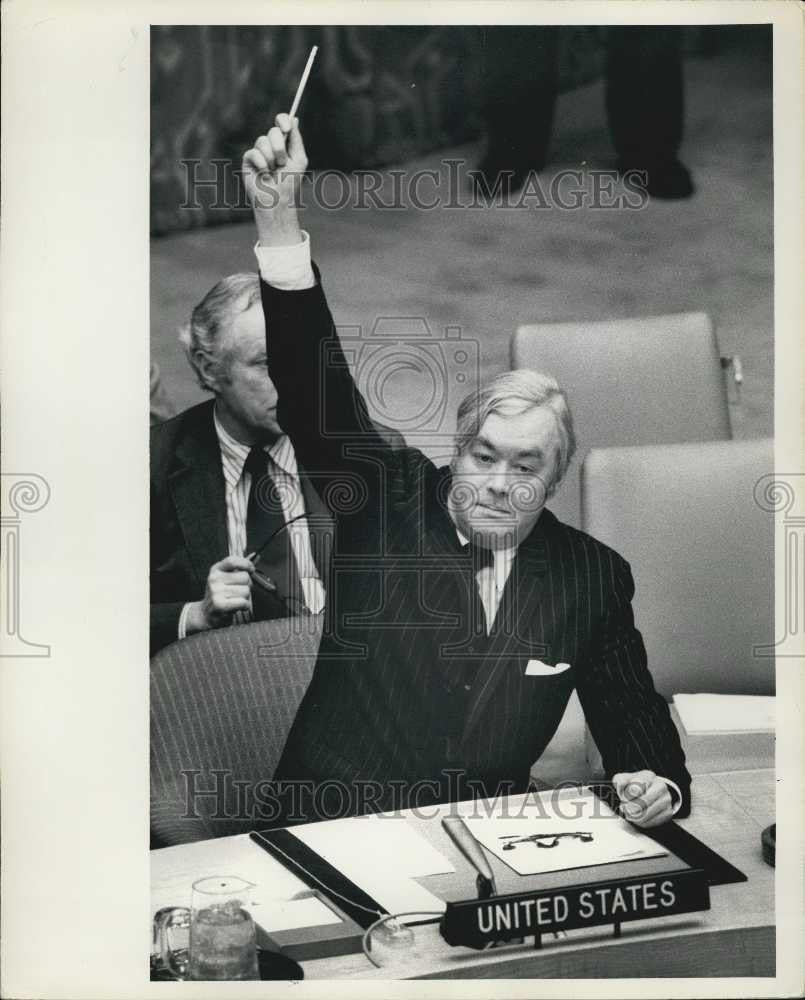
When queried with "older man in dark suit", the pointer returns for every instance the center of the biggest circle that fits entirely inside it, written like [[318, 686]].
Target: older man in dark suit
[[461, 613], [225, 483]]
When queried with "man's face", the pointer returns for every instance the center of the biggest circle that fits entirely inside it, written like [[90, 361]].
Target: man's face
[[501, 478], [246, 400]]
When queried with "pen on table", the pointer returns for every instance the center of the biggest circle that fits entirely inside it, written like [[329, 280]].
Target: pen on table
[[461, 835], [458, 831]]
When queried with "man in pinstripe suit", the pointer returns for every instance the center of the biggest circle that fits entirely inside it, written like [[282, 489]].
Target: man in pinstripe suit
[[461, 613]]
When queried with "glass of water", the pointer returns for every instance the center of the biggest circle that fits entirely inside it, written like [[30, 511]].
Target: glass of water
[[222, 942]]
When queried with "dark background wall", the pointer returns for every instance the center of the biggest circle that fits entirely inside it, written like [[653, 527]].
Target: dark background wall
[[485, 271], [378, 95]]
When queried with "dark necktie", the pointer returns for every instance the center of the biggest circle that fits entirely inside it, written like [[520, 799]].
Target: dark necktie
[[481, 557], [276, 559]]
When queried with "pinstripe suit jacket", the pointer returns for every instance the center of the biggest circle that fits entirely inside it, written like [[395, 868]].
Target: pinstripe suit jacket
[[399, 620]]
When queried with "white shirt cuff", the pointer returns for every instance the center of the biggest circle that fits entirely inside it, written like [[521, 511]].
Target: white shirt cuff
[[675, 789], [287, 269], [183, 622]]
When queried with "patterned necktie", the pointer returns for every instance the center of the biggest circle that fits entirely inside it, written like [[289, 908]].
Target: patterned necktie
[[276, 560]]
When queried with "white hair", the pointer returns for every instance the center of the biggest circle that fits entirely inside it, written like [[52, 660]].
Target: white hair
[[212, 317], [511, 394]]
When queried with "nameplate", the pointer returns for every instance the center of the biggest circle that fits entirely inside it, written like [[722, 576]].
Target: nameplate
[[475, 923]]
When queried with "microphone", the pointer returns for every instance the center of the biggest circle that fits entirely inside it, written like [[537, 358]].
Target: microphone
[[458, 831]]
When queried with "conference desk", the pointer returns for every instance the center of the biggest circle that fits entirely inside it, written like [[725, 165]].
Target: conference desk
[[736, 937]]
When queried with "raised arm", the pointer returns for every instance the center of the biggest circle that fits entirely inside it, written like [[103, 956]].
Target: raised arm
[[319, 404]]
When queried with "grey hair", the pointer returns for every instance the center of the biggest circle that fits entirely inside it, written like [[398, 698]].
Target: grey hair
[[510, 394], [213, 316]]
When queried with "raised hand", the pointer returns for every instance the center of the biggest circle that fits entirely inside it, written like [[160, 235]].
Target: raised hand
[[273, 170]]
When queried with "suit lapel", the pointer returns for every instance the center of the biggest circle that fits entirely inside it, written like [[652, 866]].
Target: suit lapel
[[445, 585], [510, 638], [446, 570], [320, 524], [197, 488]]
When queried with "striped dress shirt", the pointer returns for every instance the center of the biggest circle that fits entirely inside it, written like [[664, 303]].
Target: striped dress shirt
[[492, 579], [285, 473]]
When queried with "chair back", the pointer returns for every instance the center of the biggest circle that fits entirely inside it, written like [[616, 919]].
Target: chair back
[[702, 556], [647, 380], [222, 704]]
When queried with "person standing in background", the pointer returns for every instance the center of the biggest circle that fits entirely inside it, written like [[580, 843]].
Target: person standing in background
[[644, 102]]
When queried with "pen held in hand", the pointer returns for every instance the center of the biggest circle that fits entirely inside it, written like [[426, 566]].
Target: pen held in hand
[[300, 89]]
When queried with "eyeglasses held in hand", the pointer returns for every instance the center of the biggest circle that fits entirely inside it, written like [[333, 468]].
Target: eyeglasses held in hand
[[259, 578]]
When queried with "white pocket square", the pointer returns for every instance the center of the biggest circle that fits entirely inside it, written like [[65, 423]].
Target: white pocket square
[[536, 668]]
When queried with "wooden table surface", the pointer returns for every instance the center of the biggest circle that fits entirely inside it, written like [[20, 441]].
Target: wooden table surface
[[736, 937]]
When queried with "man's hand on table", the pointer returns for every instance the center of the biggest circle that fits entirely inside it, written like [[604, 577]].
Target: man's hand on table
[[646, 799], [273, 170]]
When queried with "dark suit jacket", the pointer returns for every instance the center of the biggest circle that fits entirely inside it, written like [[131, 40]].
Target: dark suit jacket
[[188, 516], [382, 706]]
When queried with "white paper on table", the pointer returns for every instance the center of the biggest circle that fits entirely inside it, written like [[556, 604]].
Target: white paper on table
[[402, 895], [385, 844], [412, 854], [274, 914], [726, 713], [380, 854], [270, 900], [237, 856], [614, 839]]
